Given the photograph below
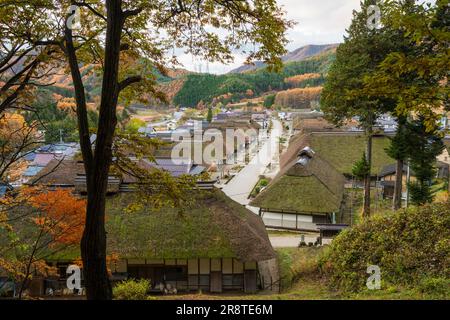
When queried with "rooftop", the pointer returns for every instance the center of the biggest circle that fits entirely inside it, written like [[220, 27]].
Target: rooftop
[[214, 227], [306, 184]]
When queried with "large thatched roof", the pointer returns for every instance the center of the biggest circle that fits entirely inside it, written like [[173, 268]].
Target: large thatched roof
[[341, 150], [215, 227], [60, 173], [307, 184]]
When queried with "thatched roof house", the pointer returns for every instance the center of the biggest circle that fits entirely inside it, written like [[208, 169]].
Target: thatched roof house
[[309, 184], [71, 173], [214, 227], [308, 190], [215, 245]]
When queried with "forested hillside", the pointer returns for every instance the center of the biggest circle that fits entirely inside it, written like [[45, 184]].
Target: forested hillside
[[205, 87]]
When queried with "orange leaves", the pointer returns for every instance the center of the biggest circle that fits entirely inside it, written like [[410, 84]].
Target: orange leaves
[[298, 97], [61, 214], [298, 79], [67, 104]]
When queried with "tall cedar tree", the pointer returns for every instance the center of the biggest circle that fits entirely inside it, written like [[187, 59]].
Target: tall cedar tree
[[398, 150], [363, 49], [424, 146], [416, 74], [127, 40]]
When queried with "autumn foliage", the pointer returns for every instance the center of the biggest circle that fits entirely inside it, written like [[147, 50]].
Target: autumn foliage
[[61, 214], [297, 80], [299, 98], [35, 224]]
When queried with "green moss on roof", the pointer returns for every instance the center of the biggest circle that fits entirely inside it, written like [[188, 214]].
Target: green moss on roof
[[342, 151], [165, 234], [214, 227], [301, 194]]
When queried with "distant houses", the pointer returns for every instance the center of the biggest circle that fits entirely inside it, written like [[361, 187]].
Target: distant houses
[[71, 173], [37, 160]]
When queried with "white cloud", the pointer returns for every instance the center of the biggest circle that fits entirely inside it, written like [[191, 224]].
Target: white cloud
[[318, 22]]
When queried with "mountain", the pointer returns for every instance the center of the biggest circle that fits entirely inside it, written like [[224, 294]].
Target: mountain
[[297, 55], [233, 87]]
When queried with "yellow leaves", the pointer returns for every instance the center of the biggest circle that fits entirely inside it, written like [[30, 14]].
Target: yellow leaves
[[134, 207], [14, 133]]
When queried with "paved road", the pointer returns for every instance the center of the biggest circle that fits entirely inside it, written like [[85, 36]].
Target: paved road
[[241, 185]]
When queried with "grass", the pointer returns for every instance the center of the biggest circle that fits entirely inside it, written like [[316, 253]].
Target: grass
[[263, 182], [282, 233]]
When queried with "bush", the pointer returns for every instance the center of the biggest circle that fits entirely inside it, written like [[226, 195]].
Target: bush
[[407, 245], [439, 287], [131, 290]]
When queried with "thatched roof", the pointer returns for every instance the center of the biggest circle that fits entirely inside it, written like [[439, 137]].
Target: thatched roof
[[319, 124], [60, 172], [341, 150], [308, 184], [229, 147], [215, 227]]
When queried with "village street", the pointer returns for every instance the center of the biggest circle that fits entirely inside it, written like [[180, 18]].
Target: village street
[[241, 185]]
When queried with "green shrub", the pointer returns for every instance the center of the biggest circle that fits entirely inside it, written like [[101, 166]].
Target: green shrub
[[439, 287], [131, 290], [263, 182], [407, 245]]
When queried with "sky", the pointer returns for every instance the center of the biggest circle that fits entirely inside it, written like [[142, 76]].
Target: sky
[[318, 22]]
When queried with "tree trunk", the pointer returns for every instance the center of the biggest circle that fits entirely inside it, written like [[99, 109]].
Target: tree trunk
[[93, 243], [366, 207], [97, 164], [398, 187]]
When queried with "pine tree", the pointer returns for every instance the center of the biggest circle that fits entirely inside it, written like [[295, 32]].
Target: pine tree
[[343, 96], [425, 145], [398, 150]]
